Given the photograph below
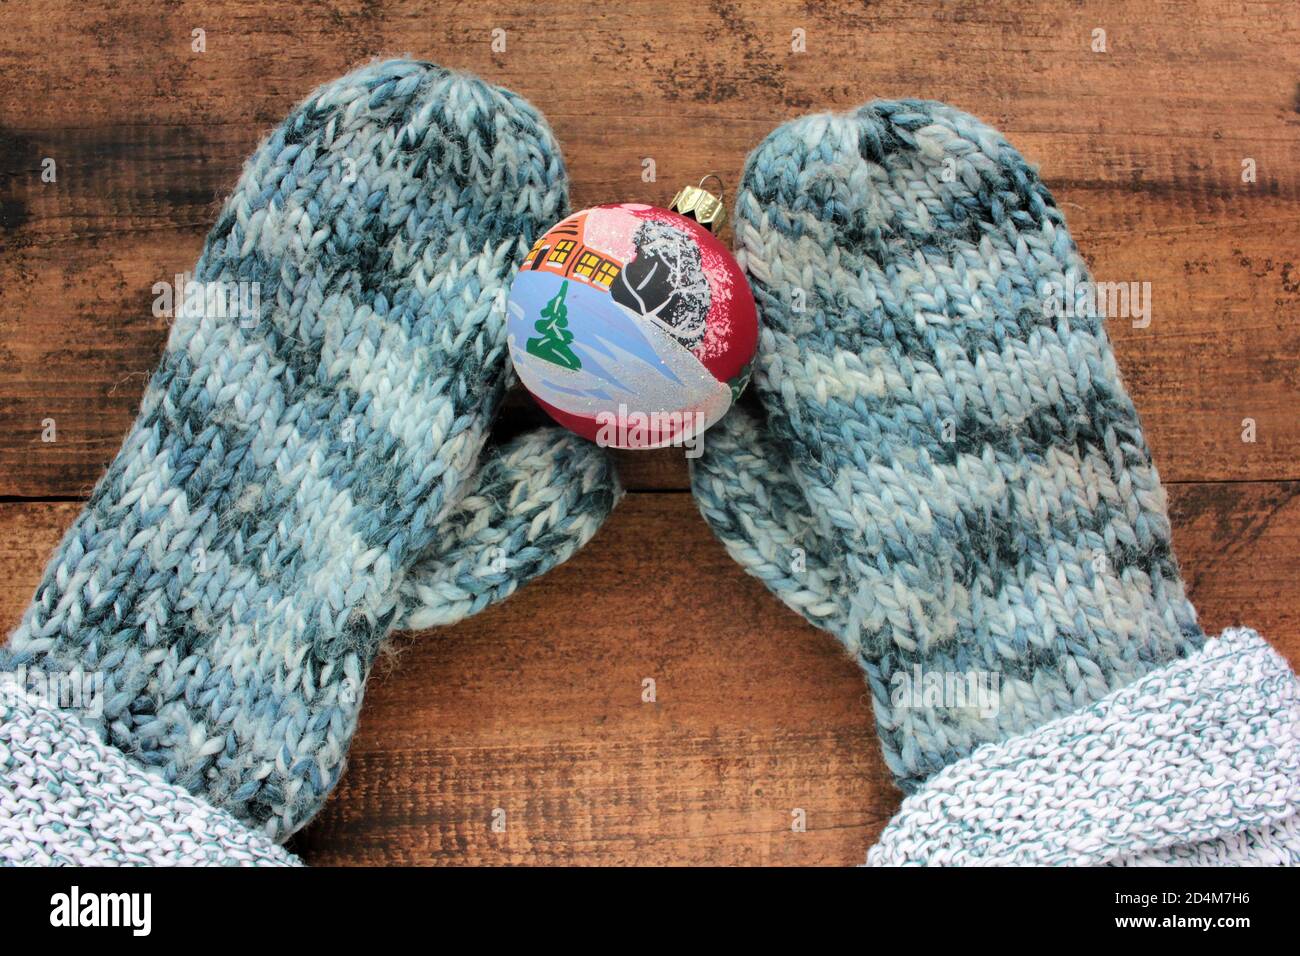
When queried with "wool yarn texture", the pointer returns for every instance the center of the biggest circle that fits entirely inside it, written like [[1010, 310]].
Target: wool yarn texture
[[302, 480], [1195, 764], [946, 471], [69, 799]]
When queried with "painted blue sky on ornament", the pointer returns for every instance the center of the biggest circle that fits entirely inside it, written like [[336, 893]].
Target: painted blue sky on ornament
[[601, 328]]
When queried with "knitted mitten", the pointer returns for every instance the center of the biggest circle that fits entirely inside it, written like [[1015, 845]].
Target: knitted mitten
[[951, 477], [533, 505], [253, 542]]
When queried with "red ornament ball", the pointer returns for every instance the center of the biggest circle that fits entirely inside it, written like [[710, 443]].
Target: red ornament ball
[[632, 326]]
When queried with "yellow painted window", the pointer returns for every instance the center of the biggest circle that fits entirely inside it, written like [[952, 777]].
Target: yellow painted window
[[587, 263], [561, 251], [606, 273]]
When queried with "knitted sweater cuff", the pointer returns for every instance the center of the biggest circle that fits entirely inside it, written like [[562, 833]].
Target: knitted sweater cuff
[[1196, 763], [66, 798]]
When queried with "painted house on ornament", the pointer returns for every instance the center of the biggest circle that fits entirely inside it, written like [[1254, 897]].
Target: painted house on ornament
[[567, 251]]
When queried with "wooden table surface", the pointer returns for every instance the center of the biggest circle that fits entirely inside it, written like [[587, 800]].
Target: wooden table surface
[[535, 707]]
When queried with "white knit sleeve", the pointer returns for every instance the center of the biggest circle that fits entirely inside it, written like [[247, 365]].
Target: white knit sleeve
[[66, 798], [1196, 763]]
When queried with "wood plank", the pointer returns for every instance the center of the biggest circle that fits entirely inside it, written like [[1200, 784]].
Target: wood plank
[[535, 705], [1143, 146]]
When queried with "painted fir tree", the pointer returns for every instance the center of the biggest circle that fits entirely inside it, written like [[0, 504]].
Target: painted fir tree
[[555, 337]]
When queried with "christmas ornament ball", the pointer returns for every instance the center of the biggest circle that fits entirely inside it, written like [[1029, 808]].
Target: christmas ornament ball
[[633, 325]]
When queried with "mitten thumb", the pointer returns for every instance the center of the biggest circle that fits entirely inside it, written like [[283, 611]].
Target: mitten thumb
[[747, 491], [535, 501]]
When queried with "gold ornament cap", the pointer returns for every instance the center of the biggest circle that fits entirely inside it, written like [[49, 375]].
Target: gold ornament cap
[[696, 202]]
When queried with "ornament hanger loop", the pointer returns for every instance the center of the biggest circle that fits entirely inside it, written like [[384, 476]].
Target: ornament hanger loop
[[696, 202], [722, 188]]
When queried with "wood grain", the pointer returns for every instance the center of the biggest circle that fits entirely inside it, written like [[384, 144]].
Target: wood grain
[[534, 707]]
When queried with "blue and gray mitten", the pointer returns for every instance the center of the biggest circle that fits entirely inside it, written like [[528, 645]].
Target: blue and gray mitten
[[952, 479], [302, 480]]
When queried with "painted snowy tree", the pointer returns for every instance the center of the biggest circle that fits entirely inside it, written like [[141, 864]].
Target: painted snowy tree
[[666, 282]]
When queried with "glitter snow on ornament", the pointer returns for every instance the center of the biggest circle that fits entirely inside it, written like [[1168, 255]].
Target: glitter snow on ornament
[[632, 325]]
